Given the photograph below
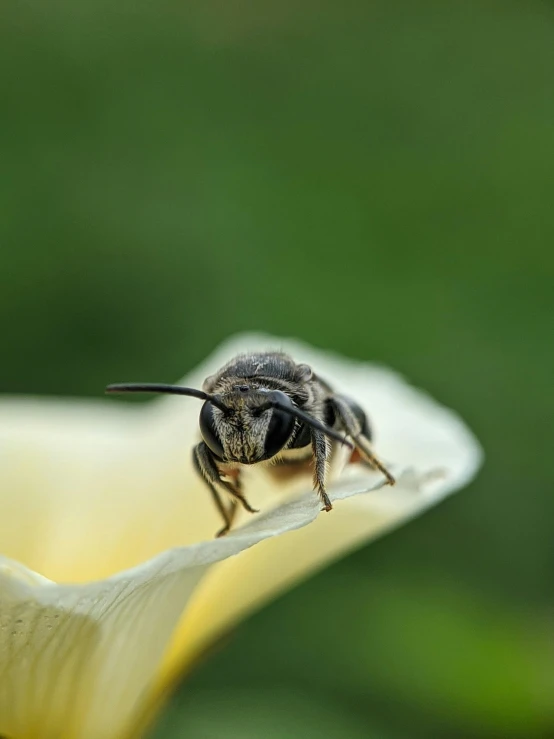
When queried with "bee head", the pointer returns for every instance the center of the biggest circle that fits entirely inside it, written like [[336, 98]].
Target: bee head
[[254, 425]]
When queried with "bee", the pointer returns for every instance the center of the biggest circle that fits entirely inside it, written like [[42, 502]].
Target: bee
[[264, 407]]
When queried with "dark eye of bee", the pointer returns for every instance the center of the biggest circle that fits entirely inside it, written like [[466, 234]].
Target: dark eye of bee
[[209, 431], [280, 427]]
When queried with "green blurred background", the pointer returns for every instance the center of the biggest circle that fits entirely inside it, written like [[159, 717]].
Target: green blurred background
[[373, 177]]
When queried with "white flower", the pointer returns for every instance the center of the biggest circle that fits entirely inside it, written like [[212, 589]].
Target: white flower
[[101, 498]]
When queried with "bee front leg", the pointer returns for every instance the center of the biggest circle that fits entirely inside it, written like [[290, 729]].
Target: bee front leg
[[206, 465], [354, 422], [234, 487], [321, 448]]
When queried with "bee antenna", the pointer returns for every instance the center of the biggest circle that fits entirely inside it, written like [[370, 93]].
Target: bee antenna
[[152, 387]]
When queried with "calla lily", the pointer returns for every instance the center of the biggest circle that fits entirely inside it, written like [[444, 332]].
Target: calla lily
[[102, 501]]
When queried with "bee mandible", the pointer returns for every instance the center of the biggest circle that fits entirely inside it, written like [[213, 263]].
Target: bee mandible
[[264, 407]]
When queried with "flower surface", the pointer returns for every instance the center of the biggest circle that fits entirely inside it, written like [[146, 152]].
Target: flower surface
[[101, 499]]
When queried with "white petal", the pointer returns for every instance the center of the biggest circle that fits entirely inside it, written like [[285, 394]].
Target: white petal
[[91, 489], [77, 659]]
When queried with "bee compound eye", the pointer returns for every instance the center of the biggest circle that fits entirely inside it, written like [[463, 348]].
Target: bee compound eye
[[279, 430], [209, 430]]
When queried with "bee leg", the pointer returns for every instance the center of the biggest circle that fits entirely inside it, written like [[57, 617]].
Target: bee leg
[[245, 504], [229, 514], [354, 422], [234, 487], [206, 467], [321, 448]]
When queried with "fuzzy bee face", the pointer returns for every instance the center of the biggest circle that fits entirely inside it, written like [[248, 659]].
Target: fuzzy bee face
[[247, 431]]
